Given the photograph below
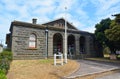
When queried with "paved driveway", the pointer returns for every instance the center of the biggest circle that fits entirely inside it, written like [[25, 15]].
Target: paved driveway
[[90, 67], [111, 76]]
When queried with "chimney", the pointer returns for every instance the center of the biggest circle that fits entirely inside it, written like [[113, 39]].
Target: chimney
[[34, 20]]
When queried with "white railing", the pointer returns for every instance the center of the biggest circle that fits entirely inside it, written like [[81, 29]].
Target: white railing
[[58, 60]]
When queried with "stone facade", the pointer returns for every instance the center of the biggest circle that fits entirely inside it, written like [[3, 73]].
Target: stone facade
[[20, 41], [47, 45]]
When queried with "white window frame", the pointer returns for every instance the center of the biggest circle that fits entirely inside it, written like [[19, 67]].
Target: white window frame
[[32, 41]]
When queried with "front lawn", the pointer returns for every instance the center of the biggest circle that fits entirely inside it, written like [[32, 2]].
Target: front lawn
[[40, 69]]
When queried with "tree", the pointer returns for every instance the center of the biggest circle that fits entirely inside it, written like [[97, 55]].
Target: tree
[[100, 34], [113, 33], [100, 28]]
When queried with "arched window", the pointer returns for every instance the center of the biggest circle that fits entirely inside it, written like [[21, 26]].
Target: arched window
[[32, 41]]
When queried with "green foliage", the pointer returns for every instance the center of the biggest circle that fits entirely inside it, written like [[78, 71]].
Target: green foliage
[[113, 33], [103, 25], [2, 75], [101, 37], [118, 56], [4, 64], [117, 19], [6, 54], [5, 59], [112, 23], [99, 32], [106, 50]]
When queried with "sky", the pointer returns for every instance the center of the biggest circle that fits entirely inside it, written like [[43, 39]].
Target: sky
[[83, 14]]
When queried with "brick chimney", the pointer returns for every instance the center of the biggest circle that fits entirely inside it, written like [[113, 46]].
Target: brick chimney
[[34, 20]]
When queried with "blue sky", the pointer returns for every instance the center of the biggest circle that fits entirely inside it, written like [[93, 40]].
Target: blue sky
[[83, 14]]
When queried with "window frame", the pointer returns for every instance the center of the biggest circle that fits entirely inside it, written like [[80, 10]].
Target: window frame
[[32, 41]]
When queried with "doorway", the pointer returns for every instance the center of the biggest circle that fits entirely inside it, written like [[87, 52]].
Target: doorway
[[57, 43]]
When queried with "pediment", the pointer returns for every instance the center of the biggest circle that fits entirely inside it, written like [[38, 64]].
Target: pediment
[[60, 23]]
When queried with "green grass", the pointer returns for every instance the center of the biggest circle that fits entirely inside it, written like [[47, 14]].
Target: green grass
[[45, 61], [106, 55], [118, 56]]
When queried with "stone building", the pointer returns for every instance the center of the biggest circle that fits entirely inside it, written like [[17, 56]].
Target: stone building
[[34, 41]]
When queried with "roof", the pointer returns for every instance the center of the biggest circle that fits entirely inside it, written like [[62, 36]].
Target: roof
[[46, 25], [85, 33], [26, 24], [42, 26]]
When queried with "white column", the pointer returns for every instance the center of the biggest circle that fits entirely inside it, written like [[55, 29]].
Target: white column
[[61, 59], [55, 59]]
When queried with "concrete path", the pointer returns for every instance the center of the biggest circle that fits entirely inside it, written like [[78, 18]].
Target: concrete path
[[91, 67], [111, 76]]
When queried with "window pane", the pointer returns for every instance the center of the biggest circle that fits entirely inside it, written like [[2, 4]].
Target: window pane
[[32, 41], [32, 44], [32, 37]]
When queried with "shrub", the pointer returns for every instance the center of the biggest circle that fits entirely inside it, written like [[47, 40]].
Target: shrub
[[6, 54], [5, 59], [4, 64], [1, 56], [2, 74], [106, 50]]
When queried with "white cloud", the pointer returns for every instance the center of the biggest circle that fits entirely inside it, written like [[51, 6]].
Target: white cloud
[[70, 19], [82, 13], [106, 6], [104, 9], [4, 29], [60, 7], [89, 29]]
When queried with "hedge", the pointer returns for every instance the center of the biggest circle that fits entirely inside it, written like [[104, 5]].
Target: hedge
[[5, 59], [2, 74]]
